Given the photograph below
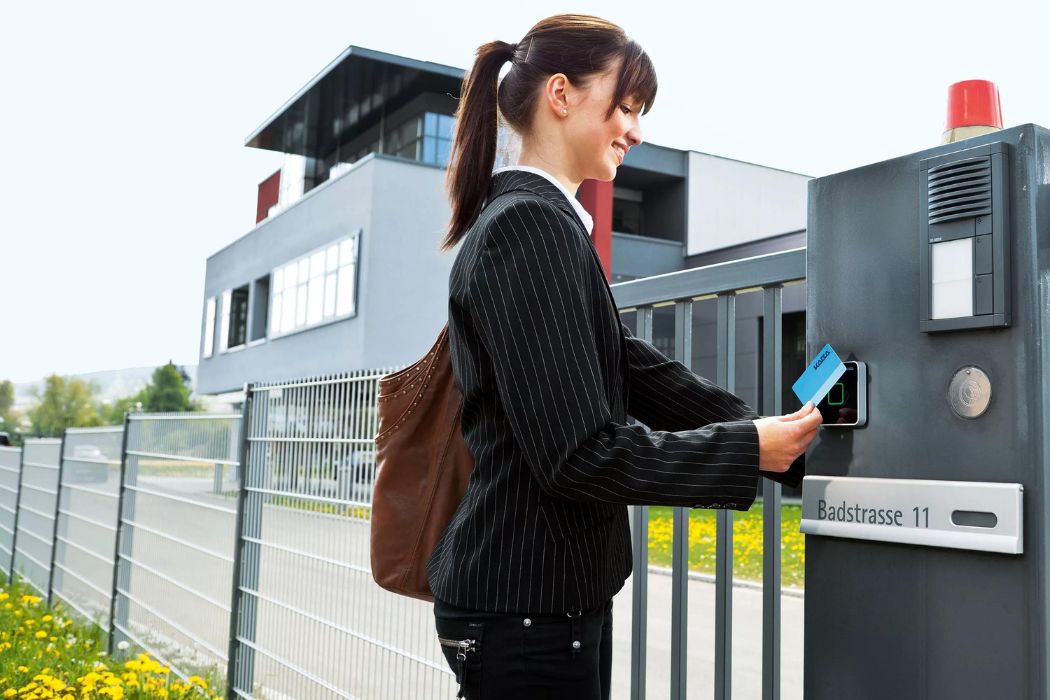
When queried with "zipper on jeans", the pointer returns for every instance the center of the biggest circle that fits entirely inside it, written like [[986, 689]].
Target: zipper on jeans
[[463, 646]]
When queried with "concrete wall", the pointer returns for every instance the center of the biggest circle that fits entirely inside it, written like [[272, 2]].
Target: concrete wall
[[402, 286], [731, 202]]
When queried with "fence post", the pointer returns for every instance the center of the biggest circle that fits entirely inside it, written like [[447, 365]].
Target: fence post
[[116, 540], [772, 346], [683, 352], [54, 525], [244, 672], [640, 547], [18, 507], [726, 358]]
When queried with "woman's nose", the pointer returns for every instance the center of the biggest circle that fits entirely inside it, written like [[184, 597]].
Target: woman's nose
[[634, 136]]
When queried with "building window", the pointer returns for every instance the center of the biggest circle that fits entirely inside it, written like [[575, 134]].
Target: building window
[[234, 318], [316, 288], [437, 138], [404, 140], [260, 306], [627, 211], [209, 327]]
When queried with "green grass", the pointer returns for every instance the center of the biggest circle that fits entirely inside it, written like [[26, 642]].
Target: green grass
[[46, 653], [747, 542]]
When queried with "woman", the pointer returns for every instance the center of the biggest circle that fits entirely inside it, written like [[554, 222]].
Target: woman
[[524, 575]]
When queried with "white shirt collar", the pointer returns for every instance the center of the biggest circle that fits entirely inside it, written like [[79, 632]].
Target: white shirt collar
[[584, 215]]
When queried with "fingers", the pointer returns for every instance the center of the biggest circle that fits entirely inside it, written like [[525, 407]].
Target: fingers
[[797, 414]]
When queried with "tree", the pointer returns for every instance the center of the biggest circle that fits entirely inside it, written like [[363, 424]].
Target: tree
[[65, 403], [9, 417], [168, 391], [113, 414]]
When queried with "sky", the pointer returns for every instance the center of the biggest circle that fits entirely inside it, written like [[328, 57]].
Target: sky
[[124, 125]]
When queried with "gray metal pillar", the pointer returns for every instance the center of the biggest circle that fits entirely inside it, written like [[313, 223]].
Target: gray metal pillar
[[240, 666], [54, 525], [640, 547], [683, 352], [772, 347], [725, 331]]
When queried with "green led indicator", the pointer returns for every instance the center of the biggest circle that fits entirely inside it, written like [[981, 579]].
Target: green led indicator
[[842, 394]]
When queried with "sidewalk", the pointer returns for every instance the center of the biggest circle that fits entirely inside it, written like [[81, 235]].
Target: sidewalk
[[747, 641]]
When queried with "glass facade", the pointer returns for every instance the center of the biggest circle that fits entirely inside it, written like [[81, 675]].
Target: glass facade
[[437, 138], [315, 288], [425, 137]]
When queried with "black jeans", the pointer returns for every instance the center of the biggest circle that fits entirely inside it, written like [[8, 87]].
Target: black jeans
[[507, 656]]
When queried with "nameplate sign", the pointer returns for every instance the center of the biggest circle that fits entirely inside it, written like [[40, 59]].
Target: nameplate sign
[[983, 516]]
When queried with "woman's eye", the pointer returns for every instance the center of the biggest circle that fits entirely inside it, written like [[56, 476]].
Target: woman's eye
[[626, 109]]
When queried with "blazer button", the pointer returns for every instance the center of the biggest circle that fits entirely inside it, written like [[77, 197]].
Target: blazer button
[[527, 622]]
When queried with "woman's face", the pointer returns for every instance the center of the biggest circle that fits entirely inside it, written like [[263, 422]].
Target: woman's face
[[596, 144]]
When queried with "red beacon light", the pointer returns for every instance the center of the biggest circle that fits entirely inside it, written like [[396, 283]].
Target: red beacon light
[[973, 109]]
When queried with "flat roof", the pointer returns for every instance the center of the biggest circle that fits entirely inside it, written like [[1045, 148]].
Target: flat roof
[[349, 96]]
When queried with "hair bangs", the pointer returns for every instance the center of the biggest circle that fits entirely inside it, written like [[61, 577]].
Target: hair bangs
[[637, 77]]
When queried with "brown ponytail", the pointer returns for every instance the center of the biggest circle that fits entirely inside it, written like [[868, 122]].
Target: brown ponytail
[[579, 46]]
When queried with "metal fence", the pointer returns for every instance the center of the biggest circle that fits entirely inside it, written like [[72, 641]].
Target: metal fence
[[722, 285], [178, 516], [87, 521], [310, 621], [265, 570], [34, 530], [10, 473]]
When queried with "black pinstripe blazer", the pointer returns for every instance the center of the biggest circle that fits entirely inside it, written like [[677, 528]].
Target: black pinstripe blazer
[[549, 375]]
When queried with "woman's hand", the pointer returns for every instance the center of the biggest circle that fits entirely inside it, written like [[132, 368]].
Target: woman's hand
[[781, 439]]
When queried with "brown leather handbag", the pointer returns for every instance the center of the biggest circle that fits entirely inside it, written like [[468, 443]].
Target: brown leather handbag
[[423, 466]]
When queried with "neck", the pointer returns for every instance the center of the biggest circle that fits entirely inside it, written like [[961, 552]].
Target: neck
[[558, 171]]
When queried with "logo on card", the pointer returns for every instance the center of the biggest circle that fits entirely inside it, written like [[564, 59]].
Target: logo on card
[[819, 377]]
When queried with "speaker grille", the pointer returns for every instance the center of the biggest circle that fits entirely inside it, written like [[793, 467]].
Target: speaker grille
[[960, 190]]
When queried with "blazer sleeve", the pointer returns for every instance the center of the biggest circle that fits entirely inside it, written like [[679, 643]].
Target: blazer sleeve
[[666, 395], [532, 306]]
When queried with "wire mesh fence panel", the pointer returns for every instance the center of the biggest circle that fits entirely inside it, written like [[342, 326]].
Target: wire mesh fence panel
[[38, 489], [10, 471], [175, 550], [312, 621], [85, 534]]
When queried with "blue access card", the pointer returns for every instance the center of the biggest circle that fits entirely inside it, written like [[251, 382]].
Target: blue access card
[[819, 377]]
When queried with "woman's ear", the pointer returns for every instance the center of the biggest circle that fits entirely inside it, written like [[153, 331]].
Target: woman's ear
[[555, 92]]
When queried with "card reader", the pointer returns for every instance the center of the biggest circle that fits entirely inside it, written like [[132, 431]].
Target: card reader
[[846, 404]]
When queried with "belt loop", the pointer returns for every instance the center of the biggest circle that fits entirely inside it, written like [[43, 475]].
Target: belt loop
[[573, 637]]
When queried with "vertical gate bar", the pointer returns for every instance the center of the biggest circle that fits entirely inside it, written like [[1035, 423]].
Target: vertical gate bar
[[54, 525], [725, 357], [683, 352], [18, 507], [640, 547], [772, 342], [116, 540], [234, 649]]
